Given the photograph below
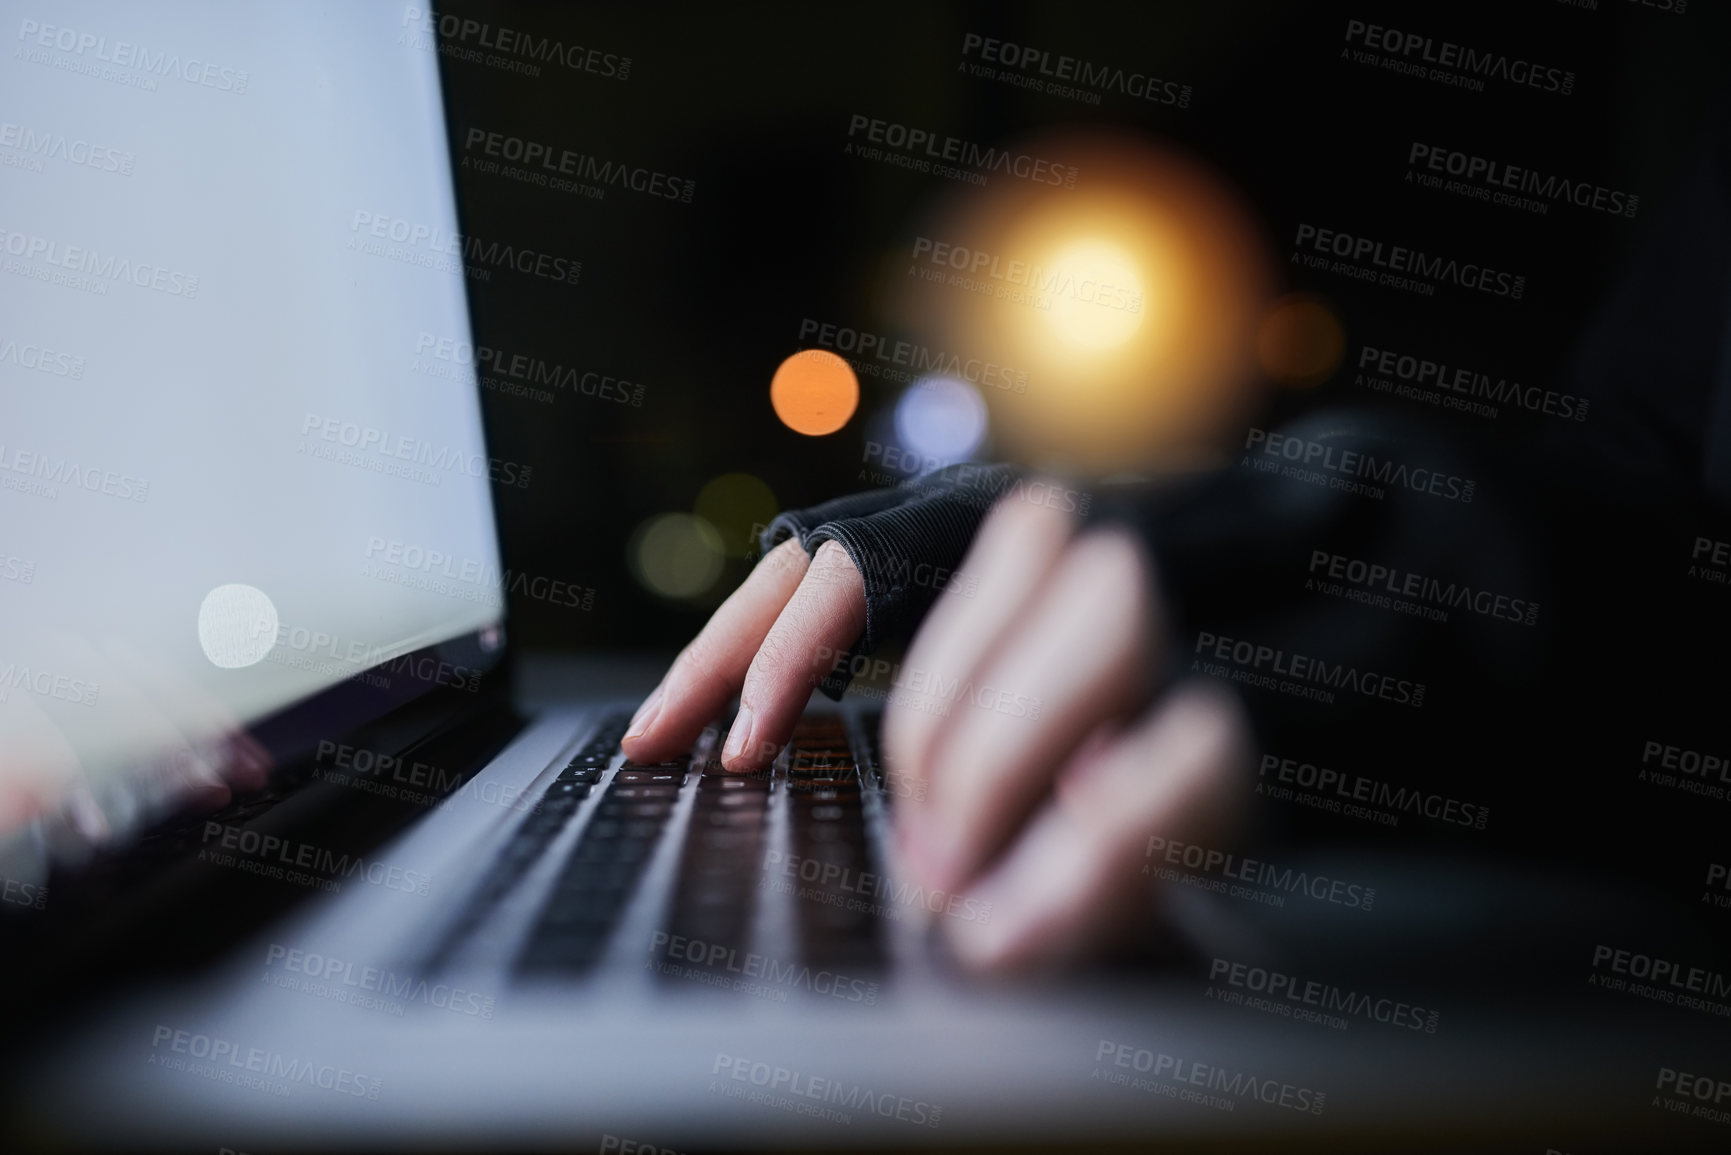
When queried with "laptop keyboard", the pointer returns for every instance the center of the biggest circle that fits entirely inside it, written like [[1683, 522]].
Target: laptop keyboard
[[716, 883], [838, 927], [722, 861], [602, 871], [533, 836]]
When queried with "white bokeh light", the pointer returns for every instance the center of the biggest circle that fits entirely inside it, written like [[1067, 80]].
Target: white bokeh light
[[237, 626], [942, 420]]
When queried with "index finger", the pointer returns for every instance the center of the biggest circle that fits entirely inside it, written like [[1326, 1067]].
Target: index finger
[[711, 669], [824, 616]]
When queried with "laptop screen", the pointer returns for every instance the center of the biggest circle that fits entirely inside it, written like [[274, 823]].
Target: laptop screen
[[236, 465]]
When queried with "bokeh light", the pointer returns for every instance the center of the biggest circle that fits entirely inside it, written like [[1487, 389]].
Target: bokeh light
[[738, 505], [1097, 301], [676, 555], [941, 421], [237, 626], [1300, 341], [814, 392], [1115, 321]]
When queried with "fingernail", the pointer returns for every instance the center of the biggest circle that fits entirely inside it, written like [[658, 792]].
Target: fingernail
[[645, 714], [739, 737]]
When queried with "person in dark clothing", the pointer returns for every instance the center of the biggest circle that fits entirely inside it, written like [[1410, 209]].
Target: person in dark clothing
[[1135, 658]]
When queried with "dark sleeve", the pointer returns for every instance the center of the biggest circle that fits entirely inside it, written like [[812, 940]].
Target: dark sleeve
[[906, 541], [1349, 553], [1653, 361]]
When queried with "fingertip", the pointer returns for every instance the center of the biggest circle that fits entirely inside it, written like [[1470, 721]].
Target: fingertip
[[983, 950], [207, 797], [659, 744], [645, 715], [1040, 907], [990, 936], [734, 753], [644, 736], [754, 749]]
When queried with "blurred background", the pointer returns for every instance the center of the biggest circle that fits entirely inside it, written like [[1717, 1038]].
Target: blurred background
[[691, 305]]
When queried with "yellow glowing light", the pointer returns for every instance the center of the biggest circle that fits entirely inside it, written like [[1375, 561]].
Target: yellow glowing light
[[1116, 321], [676, 555], [1097, 299]]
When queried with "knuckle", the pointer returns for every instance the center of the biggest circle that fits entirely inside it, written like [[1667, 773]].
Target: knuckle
[[1223, 733], [1109, 569], [832, 565], [1020, 509], [1203, 729], [696, 662], [778, 659], [788, 557], [831, 552], [1007, 516], [831, 602], [1016, 527], [1108, 556]]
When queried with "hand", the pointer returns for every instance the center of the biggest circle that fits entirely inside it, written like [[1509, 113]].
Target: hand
[[774, 639], [1025, 776]]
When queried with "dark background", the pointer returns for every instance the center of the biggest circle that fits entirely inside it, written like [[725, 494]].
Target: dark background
[[700, 302]]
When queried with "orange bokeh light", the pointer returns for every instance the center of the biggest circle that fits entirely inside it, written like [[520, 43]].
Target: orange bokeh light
[[1300, 341], [814, 392]]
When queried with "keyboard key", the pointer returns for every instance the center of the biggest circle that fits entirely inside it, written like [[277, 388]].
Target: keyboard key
[[831, 834], [799, 788], [818, 792], [600, 874], [614, 850], [655, 808], [732, 801], [742, 785], [730, 818], [562, 805], [623, 792], [647, 777]]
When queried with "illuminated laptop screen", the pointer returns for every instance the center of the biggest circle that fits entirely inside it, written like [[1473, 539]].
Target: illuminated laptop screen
[[230, 474]]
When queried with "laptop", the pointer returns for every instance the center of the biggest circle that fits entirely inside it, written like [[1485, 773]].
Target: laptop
[[451, 914]]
